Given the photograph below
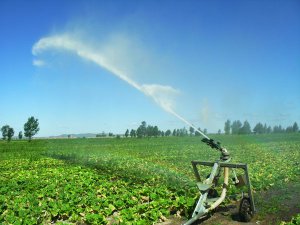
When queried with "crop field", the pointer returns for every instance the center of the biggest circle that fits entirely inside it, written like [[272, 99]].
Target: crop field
[[138, 181]]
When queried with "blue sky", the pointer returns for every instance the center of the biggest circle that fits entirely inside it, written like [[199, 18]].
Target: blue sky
[[93, 66]]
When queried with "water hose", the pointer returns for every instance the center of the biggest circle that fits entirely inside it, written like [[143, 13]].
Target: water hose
[[224, 190]]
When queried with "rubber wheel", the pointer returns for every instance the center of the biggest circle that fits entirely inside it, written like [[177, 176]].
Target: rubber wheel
[[245, 210]]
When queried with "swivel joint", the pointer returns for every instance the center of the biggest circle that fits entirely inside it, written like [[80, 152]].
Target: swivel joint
[[217, 145]]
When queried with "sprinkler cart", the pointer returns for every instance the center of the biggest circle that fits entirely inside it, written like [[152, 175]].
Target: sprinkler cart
[[209, 198]]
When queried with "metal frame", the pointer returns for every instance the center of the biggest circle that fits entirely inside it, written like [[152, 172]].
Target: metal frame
[[205, 204]]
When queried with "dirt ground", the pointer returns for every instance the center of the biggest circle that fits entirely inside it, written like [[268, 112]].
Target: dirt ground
[[223, 216], [273, 206]]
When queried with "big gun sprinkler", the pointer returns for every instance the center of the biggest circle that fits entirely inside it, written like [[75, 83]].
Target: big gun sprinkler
[[209, 198]]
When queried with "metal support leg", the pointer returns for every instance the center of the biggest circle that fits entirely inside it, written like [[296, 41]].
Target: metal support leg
[[249, 189], [200, 209]]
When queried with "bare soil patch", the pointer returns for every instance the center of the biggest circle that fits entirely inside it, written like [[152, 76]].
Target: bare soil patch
[[273, 206]]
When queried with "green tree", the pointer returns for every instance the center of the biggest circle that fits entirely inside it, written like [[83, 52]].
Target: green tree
[[139, 132], [4, 131], [132, 133], [278, 129], [289, 129], [150, 131], [127, 133], [174, 132], [10, 133], [142, 130], [102, 134], [259, 128], [31, 127], [227, 127], [7, 132], [265, 130], [155, 131], [197, 133], [192, 131], [269, 129], [20, 135], [295, 127], [168, 133], [236, 126], [182, 132], [246, 128], [219, 131]]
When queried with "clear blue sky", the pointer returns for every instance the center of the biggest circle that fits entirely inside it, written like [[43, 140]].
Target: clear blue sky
[[93, 66]]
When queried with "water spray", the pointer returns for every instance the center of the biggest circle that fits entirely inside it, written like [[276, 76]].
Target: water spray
[[188, 123], [209, 197]]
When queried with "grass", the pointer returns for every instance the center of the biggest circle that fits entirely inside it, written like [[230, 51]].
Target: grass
[[129, 181]]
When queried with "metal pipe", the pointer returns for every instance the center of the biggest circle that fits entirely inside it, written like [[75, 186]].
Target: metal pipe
[[250, 190], [221, 164], [223, 194], [191, 221]]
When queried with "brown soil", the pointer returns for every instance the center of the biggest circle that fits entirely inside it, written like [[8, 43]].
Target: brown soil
[[273, 206]]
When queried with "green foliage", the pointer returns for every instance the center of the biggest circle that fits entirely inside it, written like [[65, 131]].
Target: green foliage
[[20, 135], [31, 127], [145, 130], [10, 133], [132, 133], [103, 134], [259, 128], [7, 132], [246, 128], [181, 132], [227, 127], [128, 181], [295, 127], [174, 132], [192, 130], [127, 133], [4, 131], [278, 129], [168, 133], [295, 221], [236, 126], [142, 130], [197, 133]]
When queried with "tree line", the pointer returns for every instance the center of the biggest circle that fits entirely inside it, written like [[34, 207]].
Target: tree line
[[31, 128], [237, 127], [145, 130]]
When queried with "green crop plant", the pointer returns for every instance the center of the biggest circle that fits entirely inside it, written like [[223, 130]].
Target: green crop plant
[[127, 181]]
